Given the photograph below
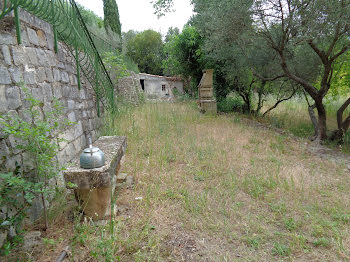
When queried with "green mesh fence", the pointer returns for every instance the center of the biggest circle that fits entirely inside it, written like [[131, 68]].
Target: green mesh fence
[[69, 26], [104, 44]]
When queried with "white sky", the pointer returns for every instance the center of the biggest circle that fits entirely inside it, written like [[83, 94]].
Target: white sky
[[138, 14]]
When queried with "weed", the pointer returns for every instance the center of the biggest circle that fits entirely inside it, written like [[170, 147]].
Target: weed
[[290, 224], [257, 187], [345, 218], [299, 242], [321, 242], [38, 137], [49, 243], [253, 242], [281, 249], [279, 208]]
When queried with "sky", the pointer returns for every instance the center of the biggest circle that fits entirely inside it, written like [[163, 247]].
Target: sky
[[139, 15]]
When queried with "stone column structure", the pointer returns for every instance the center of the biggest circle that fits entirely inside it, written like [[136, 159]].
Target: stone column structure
[[207, 102]]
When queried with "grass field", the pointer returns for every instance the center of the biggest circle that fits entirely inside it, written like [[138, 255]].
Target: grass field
[[215, 189]]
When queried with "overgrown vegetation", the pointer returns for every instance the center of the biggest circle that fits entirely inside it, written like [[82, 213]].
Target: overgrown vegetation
[[210, 194], [107, 36], [277, 49], [146, 48], [37, 136]]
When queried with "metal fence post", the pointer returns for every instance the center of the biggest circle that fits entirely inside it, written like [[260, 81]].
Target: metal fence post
[[54, 26], [18, 25], [77, 63]]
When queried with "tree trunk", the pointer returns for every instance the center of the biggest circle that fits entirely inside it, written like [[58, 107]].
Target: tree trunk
[[260, 99], [248, 104], [322, 119], [340, 114], [338, 135], [45, 212], [313, 120], [246, 99], [249, 107]]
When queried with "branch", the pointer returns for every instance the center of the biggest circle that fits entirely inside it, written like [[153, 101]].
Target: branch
[[307, 100], [335, 39], [319, 52], [308, 87], [280, 101], [342, 51], [267, 78], [341, 111]]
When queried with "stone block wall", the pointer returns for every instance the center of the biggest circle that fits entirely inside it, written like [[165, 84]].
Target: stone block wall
[[129, 88], [46, 75]]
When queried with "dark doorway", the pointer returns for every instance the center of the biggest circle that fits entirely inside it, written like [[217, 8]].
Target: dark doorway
[[142, 82]]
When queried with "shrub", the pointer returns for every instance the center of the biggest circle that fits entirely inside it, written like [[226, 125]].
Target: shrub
[[231, 104], [37, 138]]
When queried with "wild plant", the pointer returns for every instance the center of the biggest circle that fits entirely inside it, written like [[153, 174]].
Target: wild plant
[[37, 136]]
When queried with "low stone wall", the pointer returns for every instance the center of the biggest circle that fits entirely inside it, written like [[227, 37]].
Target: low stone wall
[[46, 75]]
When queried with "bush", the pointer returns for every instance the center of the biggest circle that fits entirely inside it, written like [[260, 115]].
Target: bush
[[231, 104], [182, 97], [37, 138], [130, 64], [115, 65]]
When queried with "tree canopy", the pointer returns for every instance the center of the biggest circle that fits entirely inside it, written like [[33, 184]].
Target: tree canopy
[[183, 53], [146, 49], [111, 16], [267, 46]]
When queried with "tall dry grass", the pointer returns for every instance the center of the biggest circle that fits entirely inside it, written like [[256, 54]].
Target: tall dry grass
[[293, 116], [216, 189]]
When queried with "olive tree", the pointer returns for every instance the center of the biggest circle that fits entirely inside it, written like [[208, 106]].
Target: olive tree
[[320, 27], [295, 32], [238, 53]]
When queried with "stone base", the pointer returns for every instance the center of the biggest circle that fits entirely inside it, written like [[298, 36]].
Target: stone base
[[94, 187], [95, 203], [208, 106]]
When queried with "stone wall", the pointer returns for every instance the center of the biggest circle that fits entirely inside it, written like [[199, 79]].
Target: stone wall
[[129, 88], [46, 75]]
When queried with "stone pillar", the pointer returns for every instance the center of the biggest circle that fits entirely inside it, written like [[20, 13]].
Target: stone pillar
[[207, 102]]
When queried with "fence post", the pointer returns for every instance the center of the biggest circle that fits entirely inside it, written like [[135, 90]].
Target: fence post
[[77, 63], [97, 85], [54, 26], [18, 25]]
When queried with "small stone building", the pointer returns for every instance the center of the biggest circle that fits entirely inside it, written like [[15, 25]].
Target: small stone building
[[160, 87]]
